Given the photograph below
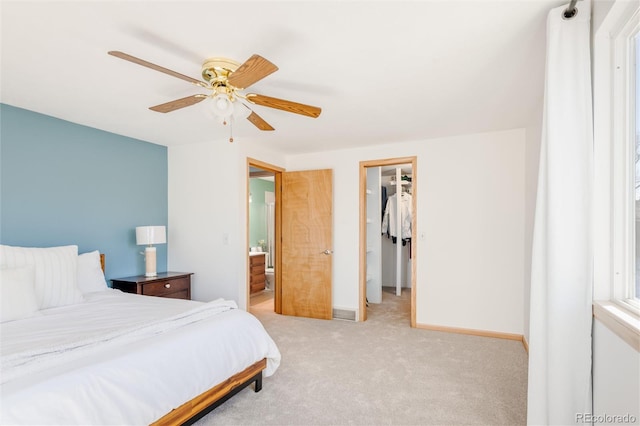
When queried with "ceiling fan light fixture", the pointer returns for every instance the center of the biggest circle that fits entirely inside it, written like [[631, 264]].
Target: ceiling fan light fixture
[[221, 105], [241, 111]]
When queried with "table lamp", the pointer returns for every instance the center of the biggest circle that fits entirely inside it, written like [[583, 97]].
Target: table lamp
[[149, 235]]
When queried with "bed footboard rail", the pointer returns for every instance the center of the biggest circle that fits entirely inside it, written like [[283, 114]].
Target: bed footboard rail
[[191, 411]]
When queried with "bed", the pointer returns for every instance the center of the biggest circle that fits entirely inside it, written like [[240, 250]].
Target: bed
[[77, 352]]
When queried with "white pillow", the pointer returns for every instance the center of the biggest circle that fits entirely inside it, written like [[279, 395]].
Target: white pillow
[[90, 275], [55, 272], [17, 294]]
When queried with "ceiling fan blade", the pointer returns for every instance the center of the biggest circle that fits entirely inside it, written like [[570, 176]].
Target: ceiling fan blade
[[178, 103], [254, 69], [144, 63], [308, 110], [257, 121]]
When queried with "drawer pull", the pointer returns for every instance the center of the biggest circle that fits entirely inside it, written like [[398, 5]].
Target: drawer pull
[[167, 285]]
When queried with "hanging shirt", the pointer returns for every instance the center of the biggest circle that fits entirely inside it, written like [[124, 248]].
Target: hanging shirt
[[389, 221]]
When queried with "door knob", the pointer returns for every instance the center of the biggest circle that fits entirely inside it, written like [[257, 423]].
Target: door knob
[[327, 252]]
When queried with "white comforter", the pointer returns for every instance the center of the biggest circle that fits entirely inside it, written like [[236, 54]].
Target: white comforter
[[120, 358]]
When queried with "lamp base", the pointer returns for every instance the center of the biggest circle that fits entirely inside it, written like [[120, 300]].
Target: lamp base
[[150, 262]]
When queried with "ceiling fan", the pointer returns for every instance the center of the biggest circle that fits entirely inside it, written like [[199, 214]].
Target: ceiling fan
[[225, 80]]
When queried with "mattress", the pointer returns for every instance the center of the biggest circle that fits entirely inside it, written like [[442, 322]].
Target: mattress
[[120, 358]]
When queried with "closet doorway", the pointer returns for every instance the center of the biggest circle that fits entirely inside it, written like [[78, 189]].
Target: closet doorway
[[263, 235], [388, 203]]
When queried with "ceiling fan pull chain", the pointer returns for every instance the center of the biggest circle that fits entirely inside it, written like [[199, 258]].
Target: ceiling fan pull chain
[[231, 129]]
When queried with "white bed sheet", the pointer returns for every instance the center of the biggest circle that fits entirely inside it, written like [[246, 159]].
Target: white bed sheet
[[133, 383]]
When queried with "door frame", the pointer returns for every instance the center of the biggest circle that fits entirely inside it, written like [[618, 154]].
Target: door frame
[[277, 275], [364, 165]]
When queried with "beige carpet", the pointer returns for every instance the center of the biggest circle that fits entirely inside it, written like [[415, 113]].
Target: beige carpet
[[381, 372]]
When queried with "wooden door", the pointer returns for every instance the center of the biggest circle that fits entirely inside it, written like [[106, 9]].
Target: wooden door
[[307, 243]]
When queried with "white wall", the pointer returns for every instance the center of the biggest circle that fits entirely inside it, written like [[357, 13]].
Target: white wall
[[616, 373], [471, 213], [208, 214], [471, 216], [532, 160]]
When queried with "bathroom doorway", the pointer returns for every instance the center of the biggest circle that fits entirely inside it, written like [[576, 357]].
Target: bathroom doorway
[[388, 236], [263, 230], [302, 273]]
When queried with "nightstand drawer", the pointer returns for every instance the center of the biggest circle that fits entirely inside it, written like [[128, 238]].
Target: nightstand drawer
[[176, 285], [166, 287]]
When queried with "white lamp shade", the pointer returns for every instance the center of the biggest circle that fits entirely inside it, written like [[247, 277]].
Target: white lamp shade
[[146, 235], [221, 105], [241, 111]]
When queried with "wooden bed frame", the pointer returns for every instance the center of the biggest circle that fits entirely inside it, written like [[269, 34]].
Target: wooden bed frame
[[193, 410]]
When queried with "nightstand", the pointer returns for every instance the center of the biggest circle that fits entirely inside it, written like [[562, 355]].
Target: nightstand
[[176, 285]]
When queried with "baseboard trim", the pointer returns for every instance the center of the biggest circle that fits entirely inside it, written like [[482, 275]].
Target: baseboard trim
[[475, 332]]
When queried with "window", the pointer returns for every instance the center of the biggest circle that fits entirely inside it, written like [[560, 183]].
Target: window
[[616, 207], [626, 163]]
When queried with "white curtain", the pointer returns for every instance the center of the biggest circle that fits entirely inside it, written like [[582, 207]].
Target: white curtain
[[561, 277]]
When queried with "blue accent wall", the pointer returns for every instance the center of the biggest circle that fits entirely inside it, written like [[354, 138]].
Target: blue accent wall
[[63, 183]]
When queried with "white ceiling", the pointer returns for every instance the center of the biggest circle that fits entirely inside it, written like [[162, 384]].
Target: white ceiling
[[382, 71]]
